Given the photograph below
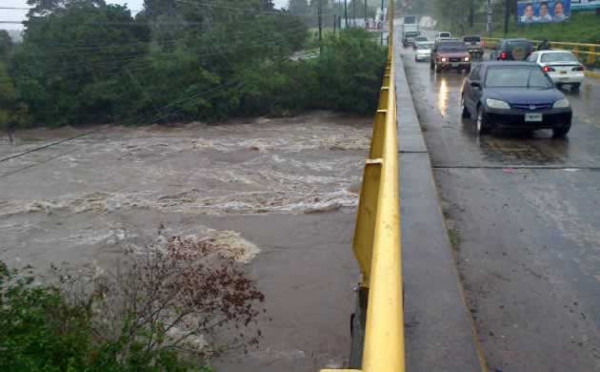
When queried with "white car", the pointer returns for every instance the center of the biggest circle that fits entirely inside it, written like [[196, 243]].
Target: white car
[[423, 52], [561, 65]]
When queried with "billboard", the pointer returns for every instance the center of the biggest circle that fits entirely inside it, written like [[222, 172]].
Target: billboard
[[543, 11], [577, 5]]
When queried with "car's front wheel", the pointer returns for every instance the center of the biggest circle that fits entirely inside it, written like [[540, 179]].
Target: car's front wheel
[[561, 132], [483, 127]]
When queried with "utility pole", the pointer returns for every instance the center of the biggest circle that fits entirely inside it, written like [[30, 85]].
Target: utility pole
[[365, 14], [489, 12], [471, 14], [506, 16], [346, 12], [334, 23], [381, 16], [320, 12]]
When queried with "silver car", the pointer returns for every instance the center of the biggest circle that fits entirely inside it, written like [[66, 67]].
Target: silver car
[[423, 52]]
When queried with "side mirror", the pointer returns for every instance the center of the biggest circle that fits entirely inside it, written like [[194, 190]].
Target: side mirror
[[476, 84]]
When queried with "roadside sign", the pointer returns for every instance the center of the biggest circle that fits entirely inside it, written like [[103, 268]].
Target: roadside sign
[[543, 11], [578, 5]]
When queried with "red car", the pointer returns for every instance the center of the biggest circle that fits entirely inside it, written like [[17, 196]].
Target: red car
[[450, 54]]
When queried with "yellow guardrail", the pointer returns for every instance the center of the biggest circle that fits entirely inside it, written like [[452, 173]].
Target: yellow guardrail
[[590, 51], [377, 236]]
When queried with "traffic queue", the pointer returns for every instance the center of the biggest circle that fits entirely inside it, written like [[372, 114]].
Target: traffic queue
[[518, 86]]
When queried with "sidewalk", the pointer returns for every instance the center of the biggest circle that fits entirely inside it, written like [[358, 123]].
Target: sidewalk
[[439, 331]]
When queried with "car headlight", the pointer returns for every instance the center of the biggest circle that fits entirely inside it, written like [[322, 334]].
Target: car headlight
[[496, 104], [466, 59], [561, 103], [444, 59]]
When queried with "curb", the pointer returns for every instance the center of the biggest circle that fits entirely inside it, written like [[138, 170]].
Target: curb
[[593, 74], [440, 332]]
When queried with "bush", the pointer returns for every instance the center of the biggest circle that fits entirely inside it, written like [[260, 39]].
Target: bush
[[175, 305], [347, 76], [350, 71], [182, 64]]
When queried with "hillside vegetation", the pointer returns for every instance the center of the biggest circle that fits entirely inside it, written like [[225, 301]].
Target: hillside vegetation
[[86, 62]]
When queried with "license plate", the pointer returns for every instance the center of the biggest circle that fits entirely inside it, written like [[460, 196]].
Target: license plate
[[533, 118], [563, 72], [454, 64]]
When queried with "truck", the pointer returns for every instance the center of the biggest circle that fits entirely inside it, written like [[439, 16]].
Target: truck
[[410, 30]]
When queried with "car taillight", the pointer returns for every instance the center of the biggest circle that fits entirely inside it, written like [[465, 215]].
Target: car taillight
[[579, 68], [503, 55], [548, 69]]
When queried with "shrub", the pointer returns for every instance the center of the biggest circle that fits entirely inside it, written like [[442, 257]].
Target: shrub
[[172, 307], [350, 71]]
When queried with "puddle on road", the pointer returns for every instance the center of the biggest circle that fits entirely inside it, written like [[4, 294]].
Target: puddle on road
[[515, 151]]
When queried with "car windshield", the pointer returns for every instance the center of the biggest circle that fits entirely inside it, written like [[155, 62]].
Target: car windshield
[[410, 19], [444, 34], [410, 34], [517, 44], [421, 38], [422, 46], [558, 57], [471, 39], [516, 77], [453, 47]]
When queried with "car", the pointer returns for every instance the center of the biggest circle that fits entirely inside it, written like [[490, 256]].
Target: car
[[512, 50], [419, 39], [450, 54], [444, 35], [423, 52], [474, 45], [517, 95], [408, 38], [561, 65]]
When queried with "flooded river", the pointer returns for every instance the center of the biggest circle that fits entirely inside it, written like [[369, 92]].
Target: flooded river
[[284, 191]]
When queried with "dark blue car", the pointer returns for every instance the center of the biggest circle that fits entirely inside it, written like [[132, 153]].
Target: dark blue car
[[516, 95]]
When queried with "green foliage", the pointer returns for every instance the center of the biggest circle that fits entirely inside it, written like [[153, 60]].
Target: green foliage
[[13, 113], [71, 66], [350, 72], [40, 331], [83, 61], [164, 313], [347, 77], [6, 45]]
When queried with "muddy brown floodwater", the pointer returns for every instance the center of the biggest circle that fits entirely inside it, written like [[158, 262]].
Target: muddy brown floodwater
[[283, 191]]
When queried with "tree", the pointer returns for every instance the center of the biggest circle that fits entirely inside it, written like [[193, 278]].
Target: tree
[[13, 113], [266, 5], [6, 45], [44, 7], [298, 7], [71, 65]]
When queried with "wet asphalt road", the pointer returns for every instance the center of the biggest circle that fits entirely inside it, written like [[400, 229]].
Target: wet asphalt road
[[523, 215]]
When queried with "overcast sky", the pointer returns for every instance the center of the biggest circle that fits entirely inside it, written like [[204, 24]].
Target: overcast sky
[[19, 15]]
